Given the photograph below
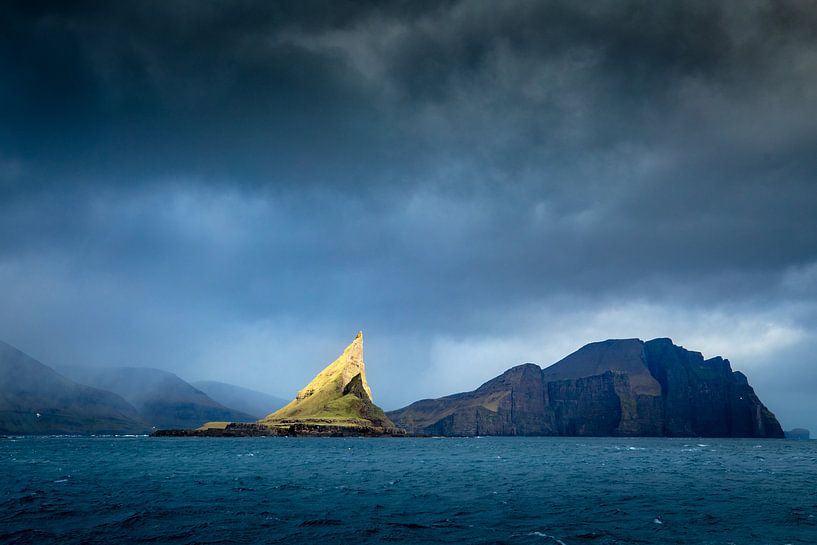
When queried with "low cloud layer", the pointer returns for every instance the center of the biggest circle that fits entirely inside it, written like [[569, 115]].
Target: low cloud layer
[[230, 191]]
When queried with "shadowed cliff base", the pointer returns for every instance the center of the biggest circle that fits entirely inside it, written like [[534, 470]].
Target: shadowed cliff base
[[612, 388]]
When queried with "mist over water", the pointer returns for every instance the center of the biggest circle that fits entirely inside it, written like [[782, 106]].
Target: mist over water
[[602, 491]]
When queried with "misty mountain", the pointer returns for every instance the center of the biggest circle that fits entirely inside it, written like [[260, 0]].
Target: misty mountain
[[35, 399], [617, 387], [162, 398], [245, 400]]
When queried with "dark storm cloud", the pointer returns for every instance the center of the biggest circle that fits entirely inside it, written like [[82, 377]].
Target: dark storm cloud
[[192, 184], [135, 91]]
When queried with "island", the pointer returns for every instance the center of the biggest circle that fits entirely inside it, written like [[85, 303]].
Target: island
[[336, 403], [798, 434], [618, 387]]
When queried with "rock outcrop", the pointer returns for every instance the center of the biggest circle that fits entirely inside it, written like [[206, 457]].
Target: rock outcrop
[[798, 434], [338, 401], [616, 387]]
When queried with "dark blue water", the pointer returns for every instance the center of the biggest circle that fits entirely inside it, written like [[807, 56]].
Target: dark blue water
[[480, 490]]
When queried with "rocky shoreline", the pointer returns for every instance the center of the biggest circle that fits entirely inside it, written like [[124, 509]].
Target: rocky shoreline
[[249, 429]]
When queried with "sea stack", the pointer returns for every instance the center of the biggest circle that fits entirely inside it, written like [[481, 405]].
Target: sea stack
[[337, 396], [337, 402]]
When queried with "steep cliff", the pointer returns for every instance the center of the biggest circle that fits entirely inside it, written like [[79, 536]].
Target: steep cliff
[[616, 387], [705, 397], [511, 404]]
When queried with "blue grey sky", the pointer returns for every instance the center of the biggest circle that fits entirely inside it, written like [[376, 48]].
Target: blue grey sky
[[231, 190]]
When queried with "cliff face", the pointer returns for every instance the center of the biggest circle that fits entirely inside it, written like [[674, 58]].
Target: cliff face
[[705, 397], [511, 404], [616, 387]]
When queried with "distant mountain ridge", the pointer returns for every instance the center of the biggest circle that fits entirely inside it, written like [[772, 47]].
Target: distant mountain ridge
[[622, 387], [162, 398], [36, 400], [251, 402]]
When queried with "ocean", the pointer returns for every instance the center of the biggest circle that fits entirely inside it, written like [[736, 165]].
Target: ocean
[[544, 490]]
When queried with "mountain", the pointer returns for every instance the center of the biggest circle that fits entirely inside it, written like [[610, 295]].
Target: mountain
[[338, 401], [35, 399], [242, 399], [622, 387], [162, 399], [339, 395]]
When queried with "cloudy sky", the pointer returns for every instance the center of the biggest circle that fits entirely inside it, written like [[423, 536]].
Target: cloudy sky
[[231, 190]]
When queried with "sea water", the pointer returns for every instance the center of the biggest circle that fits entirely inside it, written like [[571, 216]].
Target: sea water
[[450, 490]]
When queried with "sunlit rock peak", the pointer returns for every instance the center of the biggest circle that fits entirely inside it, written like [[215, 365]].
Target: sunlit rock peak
[[338, 395], [340, 372]]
